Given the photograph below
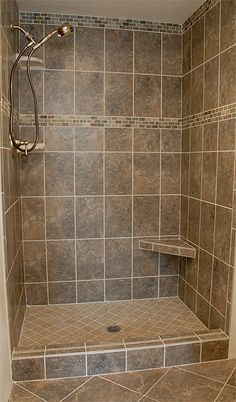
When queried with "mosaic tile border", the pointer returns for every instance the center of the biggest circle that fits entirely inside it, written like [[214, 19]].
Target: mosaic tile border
[[86, 359], [99, 22], [199, 13]]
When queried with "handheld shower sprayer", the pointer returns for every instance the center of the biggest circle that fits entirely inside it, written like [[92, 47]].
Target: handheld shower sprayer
[[63, 30]]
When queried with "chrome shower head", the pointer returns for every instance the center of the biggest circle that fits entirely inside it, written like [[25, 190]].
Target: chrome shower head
[[63, 30]]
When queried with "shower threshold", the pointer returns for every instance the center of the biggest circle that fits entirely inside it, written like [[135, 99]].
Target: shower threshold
[[73, 340]]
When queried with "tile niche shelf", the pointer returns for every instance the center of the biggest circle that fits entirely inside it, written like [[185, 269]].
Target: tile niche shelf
[[173, 246]]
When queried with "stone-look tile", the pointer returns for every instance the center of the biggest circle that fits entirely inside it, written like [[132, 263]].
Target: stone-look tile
[[212, 32], [227, 76], [104, 363], [198, 43], [146, 215], [171, 96], [210, 137], [61, 260], [88, 139], [209, 176], [28, 134], [28, 369], [170, 140], [25, 96], [215, 350], [190, 298], [232, 379], [19, 394], [62, 292], [186, 91], [36, 31], [118, 258], [118, 216], [89, 49], [118, 95], [147, 96], [118, 174], [223, 233], [186, 140], [216, 319], [147, 51], [65, 366], [140, 381], [144, 264], [89, 217], [59, 138], [197, 91], [225, 174], [60, 217], [194, 220], [191, 274], [59, 174], [59, 52], [226, 135], [184, 216], [195, 174], [168, 286], [188, 387], [227, 24], [89, 93], [90, 291], [145, 288], [185, 165], [169, 265], [203, 310], [33, 218], [145, 358], [36, 293], [146, 173], [207, 226], [171, 56], [205, 274], [182, 354], [218, 370], [35, 261], [219, 286], [53, 390], [170, 215], [196, 139], [170, 173], [118, 289], [10, 238], [99, 390], [118, 139], [58, 92], [211, 81], [90, 259], [89, 173], [118, 50], [187, 38], [228, 394], [146, 140], [181, 290], [31, 175]]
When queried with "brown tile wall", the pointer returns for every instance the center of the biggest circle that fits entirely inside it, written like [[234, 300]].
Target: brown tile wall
[[10, 182], [94, 191], [208, 160]]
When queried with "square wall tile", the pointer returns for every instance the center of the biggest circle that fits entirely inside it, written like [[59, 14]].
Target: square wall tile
[[118, 289], [118, 95], [171, 56], [146, 215], [197, 91], [147, 52], [25, 96], [144, 263], [223, 233], [31, 175], [58, 92], [225, 178], [207, 226], [61, 260], [89, 49], [170, 140], [62, 292], [168, 286], [227, 24], [227, 76], [89, 173], [60, 217], [59, 138], [35, 261], [209, 176], [212, 32], [90, 259], [33, 218], [118, 258], [90, 291], [59, 174], [187, 51], [146, 140], [36, 293], [211, 81], [118, 139], [170, 215], [89, 93], [146, 173], [170, 173], [118, 174], [198, 43], [147, 95], [186, 98], [59, 52], [89, 139], [171, 96], [118, 216], [195, 174], [220, 286], [89, 217], [145, 288], [226, 135], [194, 220], [118, 50]]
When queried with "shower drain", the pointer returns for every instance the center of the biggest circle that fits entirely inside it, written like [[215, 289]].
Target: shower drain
[[113, 328]]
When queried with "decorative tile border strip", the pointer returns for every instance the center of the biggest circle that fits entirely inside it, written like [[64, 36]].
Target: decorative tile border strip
[[199, 13], [122, 356], [210, 116], [99, 22]]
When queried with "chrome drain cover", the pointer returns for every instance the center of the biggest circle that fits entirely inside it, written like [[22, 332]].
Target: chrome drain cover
[[113, 328]]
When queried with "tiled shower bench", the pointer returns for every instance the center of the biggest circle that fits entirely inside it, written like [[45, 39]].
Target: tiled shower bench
[[104, 358]]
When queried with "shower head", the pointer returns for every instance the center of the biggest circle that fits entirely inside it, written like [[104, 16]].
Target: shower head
[[63, 30]]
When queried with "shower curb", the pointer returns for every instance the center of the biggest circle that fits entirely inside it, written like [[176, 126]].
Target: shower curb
[[115, 357]]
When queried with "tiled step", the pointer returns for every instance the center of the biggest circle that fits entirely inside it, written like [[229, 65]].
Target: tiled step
[[171, 246], [131, 355]]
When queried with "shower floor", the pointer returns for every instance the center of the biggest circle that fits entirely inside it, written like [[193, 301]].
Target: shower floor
[[75, 324]]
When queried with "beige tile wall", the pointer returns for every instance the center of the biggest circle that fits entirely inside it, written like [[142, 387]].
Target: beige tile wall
[[10, 182], [208, 161]]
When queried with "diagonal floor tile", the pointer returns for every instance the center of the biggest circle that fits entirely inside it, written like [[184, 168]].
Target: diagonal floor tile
[[227, 395], [232, 380], [20, 395], [99, 390], [53, 390], [139, 381], [181, 386], [218, 370]]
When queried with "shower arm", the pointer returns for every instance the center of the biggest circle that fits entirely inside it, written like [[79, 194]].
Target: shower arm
[[27, 34]]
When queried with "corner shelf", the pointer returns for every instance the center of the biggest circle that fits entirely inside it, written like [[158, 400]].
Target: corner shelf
[[172, 246]]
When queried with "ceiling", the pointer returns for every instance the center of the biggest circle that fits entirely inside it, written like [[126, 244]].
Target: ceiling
[[174, 11]]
